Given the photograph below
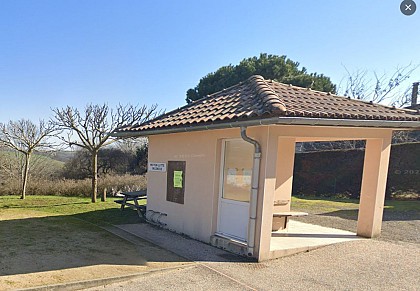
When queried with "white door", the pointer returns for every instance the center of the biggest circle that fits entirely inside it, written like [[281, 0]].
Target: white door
[[235, 189]]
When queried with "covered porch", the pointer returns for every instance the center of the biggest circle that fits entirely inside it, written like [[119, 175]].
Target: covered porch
[[272, 117], [276, 179]]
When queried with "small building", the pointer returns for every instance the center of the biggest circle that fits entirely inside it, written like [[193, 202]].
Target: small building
[[221, 166]]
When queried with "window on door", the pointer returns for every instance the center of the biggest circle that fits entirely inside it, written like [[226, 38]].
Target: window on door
[[237, 170]]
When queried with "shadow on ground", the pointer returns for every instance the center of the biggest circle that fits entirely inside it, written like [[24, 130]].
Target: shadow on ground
[[42, 206], [49, 243]]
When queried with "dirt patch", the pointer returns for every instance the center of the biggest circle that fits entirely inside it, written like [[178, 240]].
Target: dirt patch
[[40, 249]]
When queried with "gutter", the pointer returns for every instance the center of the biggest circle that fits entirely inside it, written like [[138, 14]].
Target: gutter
[[254, 191], [276, 120]]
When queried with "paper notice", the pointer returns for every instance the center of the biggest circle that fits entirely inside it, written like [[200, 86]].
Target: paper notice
[[177, 179]]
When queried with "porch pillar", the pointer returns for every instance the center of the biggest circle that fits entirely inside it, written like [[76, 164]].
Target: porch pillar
[[284, 173], [279, 162], [372, 194], [268, 183]]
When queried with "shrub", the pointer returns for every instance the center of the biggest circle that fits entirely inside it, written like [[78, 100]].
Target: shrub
[[67, 187]]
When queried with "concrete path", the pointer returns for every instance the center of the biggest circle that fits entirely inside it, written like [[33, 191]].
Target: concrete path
[[356, 265], [183, 246], [301, 237]]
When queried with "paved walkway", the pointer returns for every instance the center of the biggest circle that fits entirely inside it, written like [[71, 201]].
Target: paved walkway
[[357, 265], [181, 245], [302, 237]]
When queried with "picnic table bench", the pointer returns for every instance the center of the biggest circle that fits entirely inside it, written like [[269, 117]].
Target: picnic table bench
[[280, 219], [131, 199]]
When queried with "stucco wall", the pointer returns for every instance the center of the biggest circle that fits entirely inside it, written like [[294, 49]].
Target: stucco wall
[[197, 217]]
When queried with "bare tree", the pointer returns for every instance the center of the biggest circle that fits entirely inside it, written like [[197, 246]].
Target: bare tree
[[25, 137], [12, 165], [379, 88], [91, 129], [7, 164], [403, 99], [130, 145]]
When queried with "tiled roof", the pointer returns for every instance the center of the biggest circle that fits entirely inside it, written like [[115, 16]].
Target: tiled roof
[[257, 98]]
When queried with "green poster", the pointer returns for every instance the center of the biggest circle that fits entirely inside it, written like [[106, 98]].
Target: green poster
[[177, 179]]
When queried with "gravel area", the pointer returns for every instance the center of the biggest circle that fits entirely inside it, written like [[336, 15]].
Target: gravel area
[[359, 265], [391, 262]]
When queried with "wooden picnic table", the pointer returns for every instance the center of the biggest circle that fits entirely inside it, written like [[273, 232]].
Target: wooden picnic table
[[131, 199]]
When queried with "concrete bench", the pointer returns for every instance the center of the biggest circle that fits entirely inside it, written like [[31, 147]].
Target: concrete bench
[[280, 219]]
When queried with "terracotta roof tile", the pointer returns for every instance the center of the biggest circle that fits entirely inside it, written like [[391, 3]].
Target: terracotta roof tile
[[260, 98]]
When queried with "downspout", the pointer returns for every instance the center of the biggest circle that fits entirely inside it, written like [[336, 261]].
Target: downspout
[[254, 191]]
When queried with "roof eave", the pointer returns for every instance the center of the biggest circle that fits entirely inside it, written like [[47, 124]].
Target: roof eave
[[401, 125]]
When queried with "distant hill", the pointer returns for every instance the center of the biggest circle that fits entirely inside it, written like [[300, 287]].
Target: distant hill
[[41, 164], [61, 156]]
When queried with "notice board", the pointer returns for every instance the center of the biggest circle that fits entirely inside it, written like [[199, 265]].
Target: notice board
[[175, 186]]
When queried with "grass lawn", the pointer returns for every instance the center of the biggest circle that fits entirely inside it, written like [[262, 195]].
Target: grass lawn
[[100, 213], [319, 205], [50, 240]]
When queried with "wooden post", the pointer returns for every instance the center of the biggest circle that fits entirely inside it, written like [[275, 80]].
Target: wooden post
[[103, 198]]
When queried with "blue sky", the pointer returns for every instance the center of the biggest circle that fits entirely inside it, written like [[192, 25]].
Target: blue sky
[[58, 53]]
